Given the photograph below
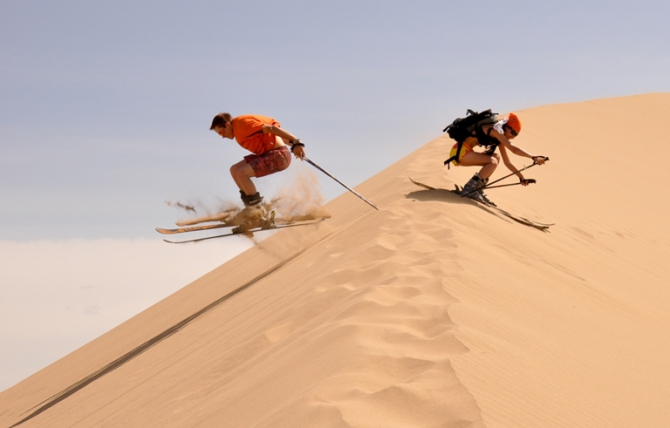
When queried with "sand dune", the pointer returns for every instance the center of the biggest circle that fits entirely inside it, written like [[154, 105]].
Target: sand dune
[[431, 312]]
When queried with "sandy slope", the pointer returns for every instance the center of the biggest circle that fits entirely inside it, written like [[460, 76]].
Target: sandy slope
[[431, 312]]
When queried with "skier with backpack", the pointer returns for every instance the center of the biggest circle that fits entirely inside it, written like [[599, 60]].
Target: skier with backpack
[[487, 130]]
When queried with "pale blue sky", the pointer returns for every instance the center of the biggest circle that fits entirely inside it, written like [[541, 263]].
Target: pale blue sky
[[106, 105]]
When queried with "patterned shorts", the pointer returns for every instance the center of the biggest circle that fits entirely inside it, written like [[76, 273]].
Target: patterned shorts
[[465, 149], [270, 162]]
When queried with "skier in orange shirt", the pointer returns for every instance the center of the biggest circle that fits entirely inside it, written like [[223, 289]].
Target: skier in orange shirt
[[264, 137]]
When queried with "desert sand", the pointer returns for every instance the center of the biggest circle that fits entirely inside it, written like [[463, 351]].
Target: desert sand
[[431, 312]]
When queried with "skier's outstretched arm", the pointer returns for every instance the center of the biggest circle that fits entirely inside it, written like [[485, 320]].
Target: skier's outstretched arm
[[296, 146], [509, 164]]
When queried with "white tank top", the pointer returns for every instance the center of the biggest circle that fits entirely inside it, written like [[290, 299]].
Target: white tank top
[[498, 126]]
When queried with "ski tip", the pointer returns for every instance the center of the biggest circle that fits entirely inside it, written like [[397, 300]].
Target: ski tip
[[425, 186]]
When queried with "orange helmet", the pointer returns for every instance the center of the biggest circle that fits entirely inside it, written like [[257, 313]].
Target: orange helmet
[[514, 122]]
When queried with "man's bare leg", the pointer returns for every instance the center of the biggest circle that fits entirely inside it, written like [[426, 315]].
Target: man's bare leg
[[242, 173]]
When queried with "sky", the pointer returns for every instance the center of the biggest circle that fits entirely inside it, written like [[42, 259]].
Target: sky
[[106, 106]]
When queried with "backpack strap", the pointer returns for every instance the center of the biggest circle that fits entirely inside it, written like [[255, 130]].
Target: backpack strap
[[456, 156], [484, 139]]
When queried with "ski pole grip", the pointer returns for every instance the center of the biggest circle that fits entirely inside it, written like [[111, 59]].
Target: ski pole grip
[[535, 158]]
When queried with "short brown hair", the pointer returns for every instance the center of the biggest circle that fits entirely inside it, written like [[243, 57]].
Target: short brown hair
[[220, 120]]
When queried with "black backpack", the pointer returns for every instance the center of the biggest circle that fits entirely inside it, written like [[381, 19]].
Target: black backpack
[[464, 127]]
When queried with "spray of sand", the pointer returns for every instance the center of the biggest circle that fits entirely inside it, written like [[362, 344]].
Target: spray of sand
[[199, 208], [186, 207], [300, 200]]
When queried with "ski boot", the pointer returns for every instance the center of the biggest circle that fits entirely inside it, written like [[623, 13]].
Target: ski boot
[[472, 189], [251, 200], [254, 215], [485, 198]]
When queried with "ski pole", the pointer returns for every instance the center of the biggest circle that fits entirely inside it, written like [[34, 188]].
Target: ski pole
[[529, 181], [343, 185], [509, 175], [500, 179]]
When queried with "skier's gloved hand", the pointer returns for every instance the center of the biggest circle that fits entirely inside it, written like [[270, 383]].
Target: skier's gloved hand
[[297, 148], [540, 160], [527, 181]]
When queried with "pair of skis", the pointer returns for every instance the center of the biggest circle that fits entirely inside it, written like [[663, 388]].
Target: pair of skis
[[270, 224], [518, 219]]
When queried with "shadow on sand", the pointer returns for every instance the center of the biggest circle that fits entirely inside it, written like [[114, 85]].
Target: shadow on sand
[[444, 195]]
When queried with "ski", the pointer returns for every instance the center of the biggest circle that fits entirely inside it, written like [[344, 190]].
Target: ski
[[222, 216], [209, 218], [518, 219], [191, 228], [220, 225], [249, 232]]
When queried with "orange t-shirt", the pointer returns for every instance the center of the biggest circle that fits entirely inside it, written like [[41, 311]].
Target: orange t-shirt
[[248, 131]]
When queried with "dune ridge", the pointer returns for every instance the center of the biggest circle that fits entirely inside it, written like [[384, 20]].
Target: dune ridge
[[431, 312]]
